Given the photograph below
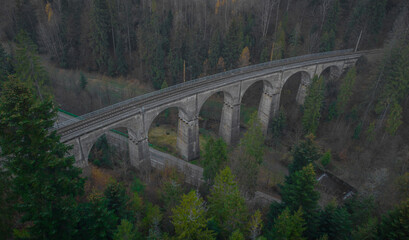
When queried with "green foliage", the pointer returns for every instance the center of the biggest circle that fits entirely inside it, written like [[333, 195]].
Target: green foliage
[[233, 44], [255, 225], [280, 42], [377, 12], [326, 158], [394, 119], [299, 190], [278, 124], [117, 199], [189, 218], [360, 209], [214, 157], [226, 205], [289, 226], [305, 152], [215, 50], [45, 181], [237, 235], [6, 67], [171, 192], [367, 231], [357, 131], [28, 67], [330, 28], [253, 140], [83, 81], [125, 231], [395, 83], [312, 105], [370, 132], [100, 33], [138, 186], [346, 92], [395, 225], [101, 153], [335, 222], [152, 218], [96, 221], [7, 198]]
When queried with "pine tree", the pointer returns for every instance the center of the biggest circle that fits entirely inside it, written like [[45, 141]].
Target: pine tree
[[335, 222], [299, 190], [125, 231], [289, 226], [226, 205], [305, 152], [253, 140], [28, 67], [5, 65], [189, 218], [394, 119], [346, 91], [96, 220], [215, 156], [312, 106], [117, 200], [233, 44], [83, 81], [99, 34], [214, 50], [395, 225], [44, 179]]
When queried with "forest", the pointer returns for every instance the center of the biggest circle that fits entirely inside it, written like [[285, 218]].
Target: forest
[[355, 127]]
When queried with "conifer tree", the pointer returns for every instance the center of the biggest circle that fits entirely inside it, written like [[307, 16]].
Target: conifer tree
[[189, 218], [345, 93], [305, 152], [233, 44], [28, 67], [215, 156], [312, 106], [99, 34], [226, 205], [289, 226], [335, 222], [44, 179], [395, 225]]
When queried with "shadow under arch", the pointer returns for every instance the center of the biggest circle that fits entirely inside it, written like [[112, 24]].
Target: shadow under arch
[[210, 114], [110, 149]]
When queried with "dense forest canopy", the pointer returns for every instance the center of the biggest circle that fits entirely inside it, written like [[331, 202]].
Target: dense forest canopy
[[162, 39]]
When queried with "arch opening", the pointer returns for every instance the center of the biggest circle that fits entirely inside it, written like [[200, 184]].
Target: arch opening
[[110, 150], [162, 132], [250, 103], [210, 117], [290, 98], [332, 84]]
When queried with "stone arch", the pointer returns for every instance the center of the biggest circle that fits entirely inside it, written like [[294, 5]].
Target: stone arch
[[152, 114], [306, 79], [249, 83], [202, 98], [89, 140], [334, 71]]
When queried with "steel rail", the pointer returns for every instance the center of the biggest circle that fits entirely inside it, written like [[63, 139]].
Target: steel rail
[[137, 102]]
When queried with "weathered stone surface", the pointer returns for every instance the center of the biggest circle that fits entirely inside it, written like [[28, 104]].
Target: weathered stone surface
[[137, 116]]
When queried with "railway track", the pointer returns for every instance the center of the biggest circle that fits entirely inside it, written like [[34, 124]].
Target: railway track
[[136, 103]]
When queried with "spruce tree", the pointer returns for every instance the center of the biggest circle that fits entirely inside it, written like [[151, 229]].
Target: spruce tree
[[313, 104], [189, 218], [44, 179], [226, 205], [215, 156]]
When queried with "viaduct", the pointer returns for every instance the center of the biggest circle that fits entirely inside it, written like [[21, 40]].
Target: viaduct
[[137, 114]]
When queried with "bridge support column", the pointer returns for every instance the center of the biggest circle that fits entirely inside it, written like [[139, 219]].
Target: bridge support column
[[188, 137], [230, 123], [139, 154], [268, 108], [303, 88], [77, 151]]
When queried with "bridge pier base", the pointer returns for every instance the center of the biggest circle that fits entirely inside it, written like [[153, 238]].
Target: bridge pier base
[[188, 138], [268, 107], [230, 123], [302, 89], [139, 154]]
